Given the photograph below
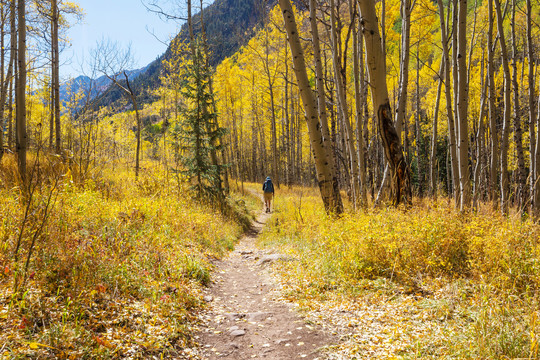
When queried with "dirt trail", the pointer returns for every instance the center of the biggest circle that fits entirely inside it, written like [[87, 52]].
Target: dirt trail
[[245, 320]]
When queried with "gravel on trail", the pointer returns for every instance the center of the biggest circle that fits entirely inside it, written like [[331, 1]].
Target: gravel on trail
[[245, 318]]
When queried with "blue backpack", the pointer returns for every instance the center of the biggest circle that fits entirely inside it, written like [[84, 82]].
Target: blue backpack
[[268, 187]]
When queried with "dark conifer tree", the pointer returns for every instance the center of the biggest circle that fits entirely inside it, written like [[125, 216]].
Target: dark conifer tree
[[197, 131]]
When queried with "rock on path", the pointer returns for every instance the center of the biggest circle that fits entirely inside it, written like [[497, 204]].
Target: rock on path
[[244, 321]]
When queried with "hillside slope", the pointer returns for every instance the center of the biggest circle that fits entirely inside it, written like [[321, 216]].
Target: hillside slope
[[229, 24]]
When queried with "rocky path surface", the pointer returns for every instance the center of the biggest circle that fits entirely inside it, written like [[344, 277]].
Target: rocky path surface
[[245, 319]]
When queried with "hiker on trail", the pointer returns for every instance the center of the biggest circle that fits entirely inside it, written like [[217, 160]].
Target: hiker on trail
[[268, 189]]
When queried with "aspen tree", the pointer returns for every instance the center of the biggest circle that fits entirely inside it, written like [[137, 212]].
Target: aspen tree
[[495, 156], [401, 108], [55, 64], [448, 93], [534, 154], [400, 176], [518, 135], [463, 104], [352, 161], [326, 178], [480, 136], [21, 89], [358, 92], [505, 186], [3, 83], [433, 158]]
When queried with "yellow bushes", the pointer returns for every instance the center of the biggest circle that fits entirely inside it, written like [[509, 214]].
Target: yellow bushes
[[406, 246], [473, 279], [116, 270]]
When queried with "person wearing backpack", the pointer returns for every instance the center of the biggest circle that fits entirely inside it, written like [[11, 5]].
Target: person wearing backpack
[[268, 189]]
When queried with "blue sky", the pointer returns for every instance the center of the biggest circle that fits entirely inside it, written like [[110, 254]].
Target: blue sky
[[123, 21]]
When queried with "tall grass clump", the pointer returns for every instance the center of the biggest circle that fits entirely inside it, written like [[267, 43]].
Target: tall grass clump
[[116, 269], [420, 252]]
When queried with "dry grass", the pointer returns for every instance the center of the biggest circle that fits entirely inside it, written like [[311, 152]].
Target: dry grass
[[116, 270], [428, 282]]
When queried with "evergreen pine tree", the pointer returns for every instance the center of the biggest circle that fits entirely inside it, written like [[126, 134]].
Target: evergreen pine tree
[[198, 129]]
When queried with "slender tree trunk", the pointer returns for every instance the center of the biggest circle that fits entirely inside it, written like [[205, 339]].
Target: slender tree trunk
[[358, 66], [21, 91], [342, 101], [129, 91], [401, 183], [319, 77], [56, 74], [463, 103], [328, 183], [449, 101], [401, 109], [494, 166], [537, 162], [10, 102], [532, 115], [51, 91], [505, 186], [419, 139], [518, 136], [480, 137], [274, 136], [434, 176], [3, 82]]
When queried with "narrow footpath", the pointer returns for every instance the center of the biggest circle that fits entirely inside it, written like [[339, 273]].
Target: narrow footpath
[[245, 319]]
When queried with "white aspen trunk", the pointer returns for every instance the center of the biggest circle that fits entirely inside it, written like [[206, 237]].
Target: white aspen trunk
[[419, 169], [494, 166], [532, 115], [449, 101], [328, 183], [319, 75], [56, 74], [434, 176], [404, 65], [358, 92], [480, 137], [401, 184], [537, 162], [505, 186], [518, 136], [463, 103], [21, 91], [342, 101], [3, 82]]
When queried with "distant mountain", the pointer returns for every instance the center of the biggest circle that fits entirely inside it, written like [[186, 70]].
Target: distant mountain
[[229, 25], [96, 86], [83, 83]]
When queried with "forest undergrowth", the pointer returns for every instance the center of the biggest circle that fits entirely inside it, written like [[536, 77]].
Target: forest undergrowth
[[108, 267], [428, 282]]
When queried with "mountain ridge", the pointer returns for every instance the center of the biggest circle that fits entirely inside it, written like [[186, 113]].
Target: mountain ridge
[[229, 24]]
